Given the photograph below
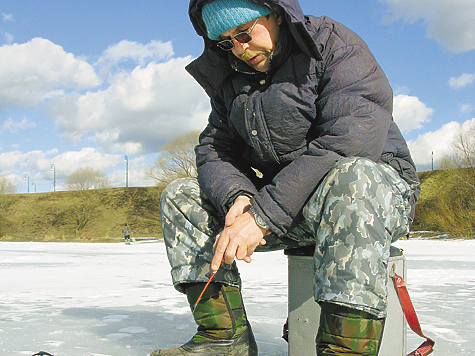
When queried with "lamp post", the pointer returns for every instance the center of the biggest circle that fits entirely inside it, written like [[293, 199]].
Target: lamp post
[[26, 176], [126, 159], [53, 168], [34, 185]]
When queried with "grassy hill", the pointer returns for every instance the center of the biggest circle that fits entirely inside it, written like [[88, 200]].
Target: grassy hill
[[431, 181], [447, 202], [93, 215], [99, 215]]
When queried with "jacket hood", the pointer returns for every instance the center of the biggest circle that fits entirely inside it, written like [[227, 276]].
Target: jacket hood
[[292, 14]]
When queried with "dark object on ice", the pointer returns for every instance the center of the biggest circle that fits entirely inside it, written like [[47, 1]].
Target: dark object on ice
[[42, 353]]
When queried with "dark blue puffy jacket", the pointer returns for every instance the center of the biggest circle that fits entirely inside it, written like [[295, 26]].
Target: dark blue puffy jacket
[[327, 98]]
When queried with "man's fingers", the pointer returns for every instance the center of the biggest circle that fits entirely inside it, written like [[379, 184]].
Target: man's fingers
[[224, 251], [216, 262], [230, 253], [220, 247], [216, 241], [241, 252], [230, 219]]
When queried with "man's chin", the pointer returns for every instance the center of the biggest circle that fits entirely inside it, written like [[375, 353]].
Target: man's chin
[[260, 66]]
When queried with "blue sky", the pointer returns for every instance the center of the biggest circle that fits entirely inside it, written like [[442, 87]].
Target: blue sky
[[84, 83]]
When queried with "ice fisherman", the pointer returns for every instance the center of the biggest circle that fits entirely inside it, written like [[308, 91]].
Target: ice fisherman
[[300, 149], [127, 232]]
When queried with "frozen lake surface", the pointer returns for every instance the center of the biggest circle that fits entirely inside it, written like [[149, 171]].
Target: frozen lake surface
[[115, 300]]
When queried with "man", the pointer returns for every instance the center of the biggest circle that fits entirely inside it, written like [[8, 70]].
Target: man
[[126, 231], [300, 149]]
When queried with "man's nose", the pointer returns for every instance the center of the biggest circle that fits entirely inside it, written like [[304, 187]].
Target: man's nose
[[240, 48]]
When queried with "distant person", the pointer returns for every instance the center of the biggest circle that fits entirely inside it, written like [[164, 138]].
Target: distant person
[[126, 231], [301, 101]]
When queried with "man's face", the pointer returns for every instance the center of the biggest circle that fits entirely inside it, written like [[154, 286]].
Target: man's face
[[257, 53]]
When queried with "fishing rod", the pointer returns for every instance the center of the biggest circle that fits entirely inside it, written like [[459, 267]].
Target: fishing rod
[[203, 291]]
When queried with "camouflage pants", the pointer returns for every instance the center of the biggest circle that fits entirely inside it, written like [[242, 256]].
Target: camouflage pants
[[355, 213]]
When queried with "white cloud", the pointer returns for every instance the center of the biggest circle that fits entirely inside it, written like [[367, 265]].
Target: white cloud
[[31, 163], [139, 111], [37, 165], [439, 142], [39, 70], [7, 161], [410, 113], [136, 176], [135, 112], [466, 108], [13, 126], [462, 81], [138, 52], [7, 17], [68, 162], [8, 38], [398, 89], [449, 22]]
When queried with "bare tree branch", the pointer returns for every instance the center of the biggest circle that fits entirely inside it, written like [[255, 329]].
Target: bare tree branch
[[177, 159], [87, 178], [6, 187]]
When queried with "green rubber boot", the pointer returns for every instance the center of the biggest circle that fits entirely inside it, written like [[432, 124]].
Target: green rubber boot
[[223, 328], [349, 332]]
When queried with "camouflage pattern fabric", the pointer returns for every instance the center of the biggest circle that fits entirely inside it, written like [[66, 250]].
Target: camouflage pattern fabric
[[220, 312], [351, 332], [356, 212]]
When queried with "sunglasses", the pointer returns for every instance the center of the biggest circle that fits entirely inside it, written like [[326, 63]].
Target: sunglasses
[[243, 37]]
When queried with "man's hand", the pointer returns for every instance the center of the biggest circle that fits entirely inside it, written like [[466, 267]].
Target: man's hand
[[240, 206], [240, 236]]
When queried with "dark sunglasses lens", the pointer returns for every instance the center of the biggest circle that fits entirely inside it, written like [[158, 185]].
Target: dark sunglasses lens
[[226, 45], [243, 37]]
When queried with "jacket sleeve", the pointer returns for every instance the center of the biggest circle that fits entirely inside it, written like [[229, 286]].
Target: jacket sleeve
[[221, 173], [354, 112]]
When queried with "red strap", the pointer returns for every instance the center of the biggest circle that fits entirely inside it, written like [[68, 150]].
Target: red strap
[[427, 346]]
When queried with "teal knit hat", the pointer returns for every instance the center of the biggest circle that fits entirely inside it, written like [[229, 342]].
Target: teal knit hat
[[222, 15]]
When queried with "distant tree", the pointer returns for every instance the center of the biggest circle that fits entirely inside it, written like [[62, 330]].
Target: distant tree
[[177, 159], [84, 209], [455, 209], [462, 162], [6, 187], [87, 178], [464, 144]]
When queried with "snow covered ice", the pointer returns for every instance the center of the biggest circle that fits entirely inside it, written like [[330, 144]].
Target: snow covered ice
[[112, 299]]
